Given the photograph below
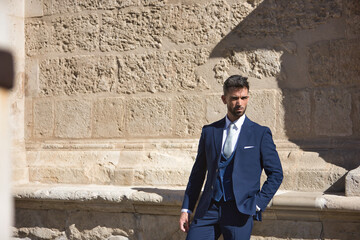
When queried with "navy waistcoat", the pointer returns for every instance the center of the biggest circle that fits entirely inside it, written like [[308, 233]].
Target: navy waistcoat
[[223, 185]]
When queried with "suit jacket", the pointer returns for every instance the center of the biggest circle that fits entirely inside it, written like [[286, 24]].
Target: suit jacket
[[255, 151]]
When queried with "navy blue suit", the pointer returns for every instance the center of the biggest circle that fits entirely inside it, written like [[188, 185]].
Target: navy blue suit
[[255, 151]]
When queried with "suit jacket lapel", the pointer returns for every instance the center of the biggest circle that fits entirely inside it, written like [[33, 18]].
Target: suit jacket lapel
[[218, 134]]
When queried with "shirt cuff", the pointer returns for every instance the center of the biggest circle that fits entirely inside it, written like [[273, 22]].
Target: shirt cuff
[[257, 208], [186, 210]]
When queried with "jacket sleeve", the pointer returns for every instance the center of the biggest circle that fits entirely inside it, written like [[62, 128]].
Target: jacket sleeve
[[273, 170], [197, 177]]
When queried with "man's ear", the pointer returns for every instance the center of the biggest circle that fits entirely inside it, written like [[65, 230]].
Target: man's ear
[[223, 98]]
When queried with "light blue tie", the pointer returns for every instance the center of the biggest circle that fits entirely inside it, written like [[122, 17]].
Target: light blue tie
[[228, 145]]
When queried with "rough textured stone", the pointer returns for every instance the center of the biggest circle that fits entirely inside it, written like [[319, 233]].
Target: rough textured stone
[[43, 118], [77, 75], [161, 71], [58, 6], [198, 24], [332, 111], [38, 36], [346, 231], [293, 230], [282, 18], [254, 63], [352, 183], [352, 12], [262, 103], [73, 119], [74, 33], [215, 108], [334, 62], [145, 26], [149, 117], [189, 115], [109, 118], [296, 113]]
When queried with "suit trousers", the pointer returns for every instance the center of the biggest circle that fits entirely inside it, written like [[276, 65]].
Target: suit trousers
[[221, 218]]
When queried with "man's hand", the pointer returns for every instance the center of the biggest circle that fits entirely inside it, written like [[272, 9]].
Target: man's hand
[[184, 221]]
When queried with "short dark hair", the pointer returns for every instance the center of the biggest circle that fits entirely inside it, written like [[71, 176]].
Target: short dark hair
[[235, 81]]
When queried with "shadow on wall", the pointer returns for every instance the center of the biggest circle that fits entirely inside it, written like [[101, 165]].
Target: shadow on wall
[[317, 45]]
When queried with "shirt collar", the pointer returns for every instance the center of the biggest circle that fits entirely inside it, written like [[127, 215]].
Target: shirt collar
[[238, 123]]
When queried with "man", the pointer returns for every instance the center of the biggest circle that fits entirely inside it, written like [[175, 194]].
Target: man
[[232, 152]]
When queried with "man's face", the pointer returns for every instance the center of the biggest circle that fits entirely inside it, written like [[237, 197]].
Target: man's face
[[236, 100]]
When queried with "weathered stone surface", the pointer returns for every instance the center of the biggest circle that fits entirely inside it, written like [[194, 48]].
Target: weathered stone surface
[[73, 119], [74, 33], [215, 108], [161, 71], [43, 118], [34, 8], [352, 183], [77, 75], [282, 18], [352, 12], [295, 113], [314, 180], [332, 111], [262, 103], [334, 62], [335, 230], [254, 63], [145, 26], [189, 115], [37, 36], [356, 111], [197, 24], [59, 6], [149, 117], [109, 114], [293, 230]]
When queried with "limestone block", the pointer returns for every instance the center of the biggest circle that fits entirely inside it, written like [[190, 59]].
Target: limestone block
[[334, 62], [34, 8], [258, 63], [283, 18], [356, 109], [241, 10], [295, 113], [341, 230], [314, 180], [293, 229], [352, 182], [73, 119], [76, 32], [161, 177], [77, 75], [123, 177], [58, 175], [161, 71], [189, 115], [150, 222], [215, 108], [37, 36], [352, 12], [261, 107], [59, 6], [28, 118], [109, 114], [198, 24], [149, 117], [129, 30], [43, 118], [332, 112]]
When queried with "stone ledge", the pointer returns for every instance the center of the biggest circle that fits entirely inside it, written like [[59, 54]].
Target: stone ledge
[[148, 200]]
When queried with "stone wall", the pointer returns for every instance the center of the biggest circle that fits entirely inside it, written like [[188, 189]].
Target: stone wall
[[117, 91]]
